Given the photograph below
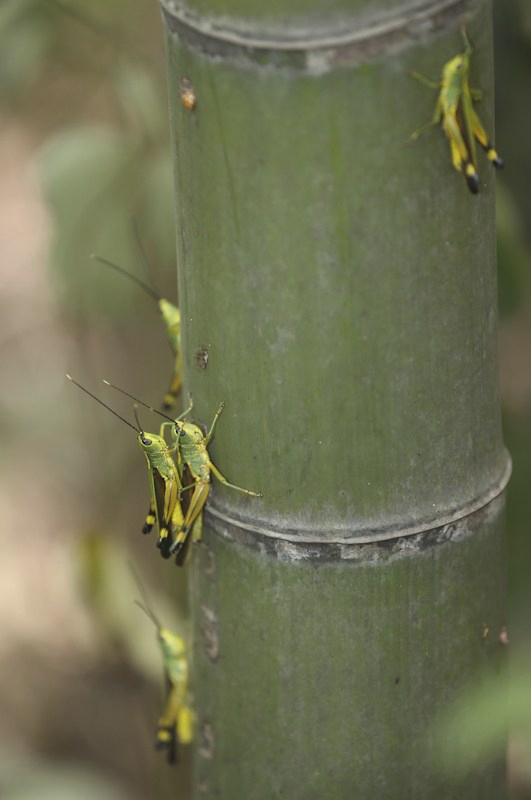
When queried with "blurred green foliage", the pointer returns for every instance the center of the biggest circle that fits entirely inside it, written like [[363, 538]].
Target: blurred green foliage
[[27, 34], [107, 580], [514, 255], [475, 730], [96, 180], [86, 79], [36, 779], [100, 173]]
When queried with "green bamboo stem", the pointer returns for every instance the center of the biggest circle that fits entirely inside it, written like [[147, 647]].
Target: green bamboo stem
[[343, 285]]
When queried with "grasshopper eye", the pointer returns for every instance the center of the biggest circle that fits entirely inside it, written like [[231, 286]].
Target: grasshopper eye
[[182, 432], [145, 440]]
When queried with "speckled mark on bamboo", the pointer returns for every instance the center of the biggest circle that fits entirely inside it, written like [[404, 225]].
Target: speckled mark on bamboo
[[206, 741], [367, 553], [210, 633]]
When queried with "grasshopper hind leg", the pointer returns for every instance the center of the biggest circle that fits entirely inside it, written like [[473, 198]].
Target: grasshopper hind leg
[[480, 135], [199, 498], [492, 155], [494, 158], [165, 540], [460, 157], [471, 177], [150, 519], [170, 397], [163, 545], [175, 387], [166, 739], [192, 538]]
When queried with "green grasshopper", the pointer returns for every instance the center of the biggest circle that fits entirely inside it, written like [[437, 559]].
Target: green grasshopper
[[191, 448], [171, 317], [176, 723], [165, 486], [197, 523], [455, 113], [164, 480]]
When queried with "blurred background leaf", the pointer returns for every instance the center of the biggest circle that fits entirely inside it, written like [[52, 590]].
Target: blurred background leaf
[[475, 729], [33, 779]]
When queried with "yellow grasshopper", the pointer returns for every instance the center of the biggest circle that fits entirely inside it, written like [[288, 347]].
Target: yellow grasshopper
[[171, 317], [164, 479], [176, 723], [191, 449], [455, 113]]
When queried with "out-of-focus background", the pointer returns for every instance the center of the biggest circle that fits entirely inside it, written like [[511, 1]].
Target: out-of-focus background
[[84, 149]]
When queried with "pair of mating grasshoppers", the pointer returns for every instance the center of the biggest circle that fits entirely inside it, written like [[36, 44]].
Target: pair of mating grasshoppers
[[455, 113], [177, 513]]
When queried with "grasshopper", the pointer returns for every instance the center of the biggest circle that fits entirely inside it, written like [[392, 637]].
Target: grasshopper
[[164, 480], [455, 113], [176, 471], [191, 448], [171, 317], [176, 723], [165, 487]]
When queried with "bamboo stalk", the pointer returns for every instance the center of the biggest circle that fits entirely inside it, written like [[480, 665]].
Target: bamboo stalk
[[343, 286]]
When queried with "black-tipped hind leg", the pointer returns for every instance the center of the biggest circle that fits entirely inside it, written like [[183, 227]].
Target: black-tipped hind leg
[[150, 519], [164, 543], [471, 177], [167, 740], [494, 158]]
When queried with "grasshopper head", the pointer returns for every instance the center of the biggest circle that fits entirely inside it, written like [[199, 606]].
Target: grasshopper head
[[170, 314], [172, 645], [150, 443], [455, 72], [174, 657], [187, 433]]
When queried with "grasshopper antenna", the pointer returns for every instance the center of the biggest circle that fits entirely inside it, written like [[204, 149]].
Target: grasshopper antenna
[[144, 286], [145, 605], [97, 399], [135, 412], [464, 34], [127, 394], [143, 257]]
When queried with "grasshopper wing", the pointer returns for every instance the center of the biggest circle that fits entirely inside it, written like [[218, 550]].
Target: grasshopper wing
[[166, 496]]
